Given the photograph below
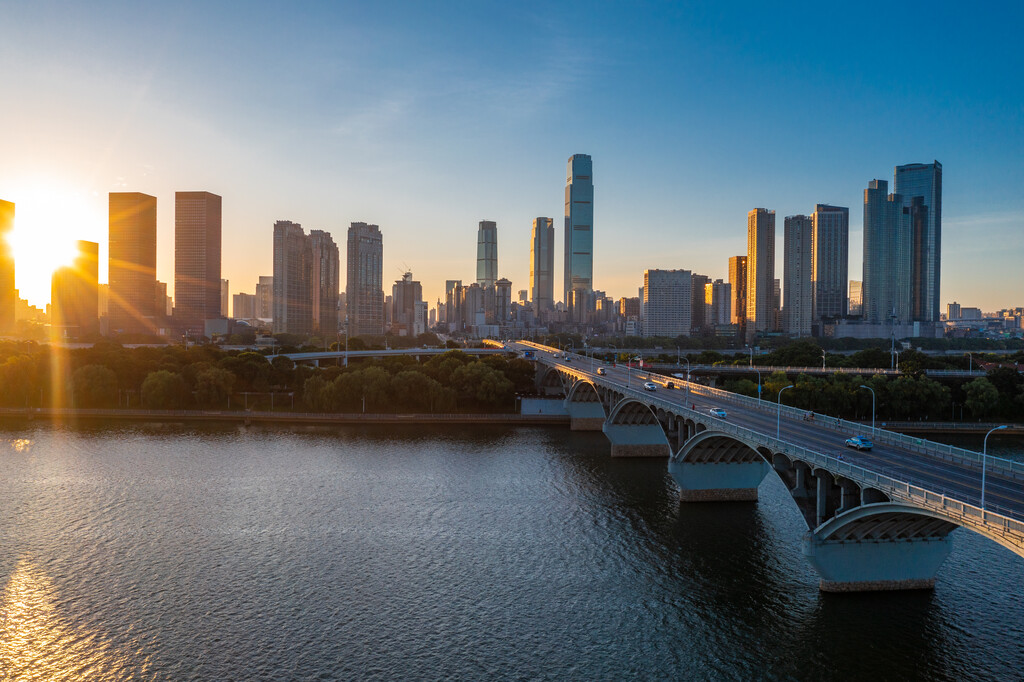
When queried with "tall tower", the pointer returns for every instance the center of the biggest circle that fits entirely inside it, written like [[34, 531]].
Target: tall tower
[[197, 242], [487, 253], [364, 288], [920, 185], [7, 297], [74, 294], [579, 231], [831, 255], [798, 268], [886, 287], [132, 263], [293, 306], [542, 266], [325, 282], [738, 282], [760, 271]]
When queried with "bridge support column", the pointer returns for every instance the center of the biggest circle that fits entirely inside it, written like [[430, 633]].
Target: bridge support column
[[822, 495], [585, 416], [875, 565], [718, 481], [637, 440]]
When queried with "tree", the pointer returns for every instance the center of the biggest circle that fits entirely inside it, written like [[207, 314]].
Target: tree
[[213, 386], [164, 390], [94, 386], [318, 394], [476, 383], [982, 397], [18, 378]]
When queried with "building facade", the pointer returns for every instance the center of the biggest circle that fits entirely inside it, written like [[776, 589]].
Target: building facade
[[886, 288], [265, 297], [197, 253], [293, 306], [579, 232], [668, 295], [738, 283], [131, 271], [365, 274], [74, 294], [8, 297], [486, 253], [325, 282], [920, 186], [542, 266], [406, 299], [760, 272], [798, 267], [831, 243]]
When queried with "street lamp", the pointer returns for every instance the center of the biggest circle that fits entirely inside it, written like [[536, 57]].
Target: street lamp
[[823, 358], [970, 361], [984, 455], [778, 416], [872, 408], [758, 383], [751, 355]]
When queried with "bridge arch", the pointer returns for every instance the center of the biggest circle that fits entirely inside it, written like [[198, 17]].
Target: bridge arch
[[550, 382], [885, 521], [583, 391], [632, 412]]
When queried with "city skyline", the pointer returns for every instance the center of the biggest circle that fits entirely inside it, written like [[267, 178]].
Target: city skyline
[[676, 193]]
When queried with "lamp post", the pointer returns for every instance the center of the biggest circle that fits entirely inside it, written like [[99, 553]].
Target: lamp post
[[823, 358], [778, 415], [970, 361], [872, 408], [751, 355], [984, 457], [758, 383]]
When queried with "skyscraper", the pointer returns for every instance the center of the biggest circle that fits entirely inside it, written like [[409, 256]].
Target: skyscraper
[[7, 296], [502, 301], [487, 254], [265, 297], [667, 300], [225, 296], [132, 262], [197, 245], [718, 304], [886, 285], [74, 294], [364, 287], [406, 294], [855, 307], [579, 231], [831, 255], [760, 271], [738, 282], [325, 282], [293, 306], [542, 266], [798, 267], [698, 308], [920, 186]]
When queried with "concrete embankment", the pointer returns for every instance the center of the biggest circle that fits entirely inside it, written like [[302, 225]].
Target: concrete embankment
[[100, 415]]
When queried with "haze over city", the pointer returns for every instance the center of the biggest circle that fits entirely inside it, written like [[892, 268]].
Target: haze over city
[[426, 121]]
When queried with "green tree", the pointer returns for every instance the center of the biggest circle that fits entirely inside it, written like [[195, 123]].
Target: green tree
[[94, 386], [318, 394], [982, 397], [18, 378], [213, 386], [478, 384], [164, 390]]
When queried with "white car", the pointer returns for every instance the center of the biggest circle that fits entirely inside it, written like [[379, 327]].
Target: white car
[[718, 412], [602, 371], [650, 386]]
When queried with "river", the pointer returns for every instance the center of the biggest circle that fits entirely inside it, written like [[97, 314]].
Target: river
[[463, 553]]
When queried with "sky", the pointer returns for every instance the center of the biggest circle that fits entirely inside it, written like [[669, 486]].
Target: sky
[[426, 118]]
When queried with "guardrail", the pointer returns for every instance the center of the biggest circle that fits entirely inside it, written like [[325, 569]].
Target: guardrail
[[1007, 523]]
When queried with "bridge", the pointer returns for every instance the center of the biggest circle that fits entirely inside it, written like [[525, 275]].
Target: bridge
[[767, 370], [314, 357], [878, 519]]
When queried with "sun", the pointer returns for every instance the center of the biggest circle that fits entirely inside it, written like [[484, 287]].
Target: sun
[[48, 222]]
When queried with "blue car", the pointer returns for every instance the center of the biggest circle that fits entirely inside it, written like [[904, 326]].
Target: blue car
[[859, 443]]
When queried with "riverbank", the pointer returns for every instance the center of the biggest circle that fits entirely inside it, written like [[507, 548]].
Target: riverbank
[[252, 417]]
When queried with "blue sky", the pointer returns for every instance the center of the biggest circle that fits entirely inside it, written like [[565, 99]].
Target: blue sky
[[428, 117]]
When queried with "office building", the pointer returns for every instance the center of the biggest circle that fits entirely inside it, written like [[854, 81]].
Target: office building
[[364, 286], [8, 298], [760, 272], [293, 306], [542, 266], [831, 243], [798, 267], [74, 294], [265, 298], [920, 186], [131, 270], [502, 301], [668, 296], [324, 282], [698, 309], [738, 285], [886, 288], [718, 304], [197, 250], [406, 297], [579, 233], [486, 254]]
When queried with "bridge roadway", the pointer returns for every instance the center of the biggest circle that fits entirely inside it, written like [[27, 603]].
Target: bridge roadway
[[316, 356], [902, 479]]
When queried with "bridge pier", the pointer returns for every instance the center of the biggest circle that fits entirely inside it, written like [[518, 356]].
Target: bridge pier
[[636, 440], [585, 416], [876, 565], [718, 482]]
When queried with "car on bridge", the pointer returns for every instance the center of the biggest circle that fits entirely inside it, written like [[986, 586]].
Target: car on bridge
[[718, 412], [859, 443], [602, 371], [650, 386]]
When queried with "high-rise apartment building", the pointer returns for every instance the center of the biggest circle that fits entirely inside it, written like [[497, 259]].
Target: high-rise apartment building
[[486, 254], [920, 186], [243, 306], [698, 309], [760, 272], [798, 267], [325, 282], [74, 294], [579, 232], [265, 298], [225, 296], [406, 295], [132, 263], [197, 247], [831, 255], [364, 287], [293, 305], [887, 287], [8, 298], [542, 266], [738, 282], [668, 296], [502, 301], [718, 304]]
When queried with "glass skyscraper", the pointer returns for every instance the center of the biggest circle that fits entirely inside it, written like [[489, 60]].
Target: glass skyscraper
[[579, 232], [920, 185], [760, 272], [798, 268], [542, 266], [886, 284], [831, 255], [487, 254]]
